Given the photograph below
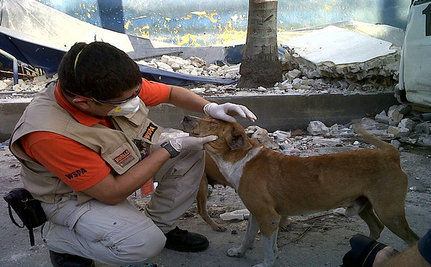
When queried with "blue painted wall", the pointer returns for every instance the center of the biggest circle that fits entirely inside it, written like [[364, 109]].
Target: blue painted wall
[[204, 22]]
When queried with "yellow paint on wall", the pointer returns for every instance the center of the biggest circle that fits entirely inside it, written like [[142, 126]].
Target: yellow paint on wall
[[229, 34], [127, 25], [188, 40], [202, 14], [327, 8], [88, 15], [168, 19], [144, 33]]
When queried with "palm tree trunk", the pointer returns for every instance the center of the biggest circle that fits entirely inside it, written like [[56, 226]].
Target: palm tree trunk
[[260, 65]]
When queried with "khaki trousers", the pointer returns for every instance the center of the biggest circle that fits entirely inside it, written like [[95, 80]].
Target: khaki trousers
[[121, 234]]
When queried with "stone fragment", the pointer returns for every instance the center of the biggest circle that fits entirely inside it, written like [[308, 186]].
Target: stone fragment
[[297, 83], [382, 117], [395, 143], [407, 123], [329, 142], [398, 131], [261, 135], [286, 85], [197, 62], [317, 127], [164, 66], [395, 115], [198, 90], [16, 87], [281, 135], [293, 74], [3, 86]]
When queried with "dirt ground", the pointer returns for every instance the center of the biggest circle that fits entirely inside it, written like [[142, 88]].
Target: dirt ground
[[315, 240]]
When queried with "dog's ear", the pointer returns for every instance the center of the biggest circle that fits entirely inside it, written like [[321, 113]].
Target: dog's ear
[[237, 139]]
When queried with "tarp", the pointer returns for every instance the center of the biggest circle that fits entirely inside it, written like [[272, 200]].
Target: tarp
[[48, 58]]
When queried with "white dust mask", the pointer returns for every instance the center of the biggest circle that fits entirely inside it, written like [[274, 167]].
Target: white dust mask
[[128, 108]]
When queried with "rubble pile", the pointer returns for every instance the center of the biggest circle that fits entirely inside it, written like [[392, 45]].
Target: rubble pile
[[295, 81], [376, 75], [24, 86], [363, 62], [399, 125], [193, 66]]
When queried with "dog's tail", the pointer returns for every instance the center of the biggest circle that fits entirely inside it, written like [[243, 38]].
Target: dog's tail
[[374, 140]]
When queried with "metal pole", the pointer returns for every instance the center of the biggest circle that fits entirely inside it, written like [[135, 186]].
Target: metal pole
[[14, 67]]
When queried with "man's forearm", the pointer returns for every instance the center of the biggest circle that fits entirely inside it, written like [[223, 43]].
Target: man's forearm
[[114, 189], [186, 99]]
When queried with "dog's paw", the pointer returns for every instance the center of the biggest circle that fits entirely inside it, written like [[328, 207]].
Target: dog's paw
[[234, 252]]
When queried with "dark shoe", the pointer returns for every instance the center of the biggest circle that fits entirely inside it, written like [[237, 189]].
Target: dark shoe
[[67, 260], [184, 241], [363, 252]]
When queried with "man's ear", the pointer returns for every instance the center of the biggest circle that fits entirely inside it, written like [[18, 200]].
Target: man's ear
[[82, 103], [237, 140]]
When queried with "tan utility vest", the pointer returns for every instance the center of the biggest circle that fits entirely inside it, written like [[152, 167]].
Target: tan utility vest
[[121, 147]]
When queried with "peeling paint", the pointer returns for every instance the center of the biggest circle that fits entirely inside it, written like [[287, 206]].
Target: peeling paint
[[199, 23], [127, 25]]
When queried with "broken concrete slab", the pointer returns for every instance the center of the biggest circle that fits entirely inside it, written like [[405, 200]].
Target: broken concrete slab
[[339, 53], [339, 46]]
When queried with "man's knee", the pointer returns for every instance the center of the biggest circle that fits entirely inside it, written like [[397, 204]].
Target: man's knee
[[142, 245], [154, 244]]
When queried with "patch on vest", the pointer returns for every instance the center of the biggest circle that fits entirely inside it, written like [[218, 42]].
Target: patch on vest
[[76, 173], [151, 129], [124, 158]]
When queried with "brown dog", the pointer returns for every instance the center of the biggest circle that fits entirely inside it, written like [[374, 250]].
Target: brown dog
[[272, 185]]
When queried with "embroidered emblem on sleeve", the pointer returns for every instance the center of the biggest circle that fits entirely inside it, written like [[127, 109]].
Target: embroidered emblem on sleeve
[[124, 158], [149, 132]]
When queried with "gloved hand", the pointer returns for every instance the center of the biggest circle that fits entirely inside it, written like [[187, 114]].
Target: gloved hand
[[227, 110], [190, 142]]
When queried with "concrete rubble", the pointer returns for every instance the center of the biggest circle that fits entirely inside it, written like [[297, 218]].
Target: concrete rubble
[[193, 66], [359, 61], [411, 130], [25, 87], [300, 76]]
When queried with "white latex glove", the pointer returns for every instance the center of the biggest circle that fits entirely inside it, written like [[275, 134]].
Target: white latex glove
[[190, 142], [224, 111]]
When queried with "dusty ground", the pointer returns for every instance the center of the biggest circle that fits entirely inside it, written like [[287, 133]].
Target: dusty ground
[[315, 240]]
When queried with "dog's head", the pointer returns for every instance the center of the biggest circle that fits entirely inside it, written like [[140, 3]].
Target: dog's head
[[231, 136]]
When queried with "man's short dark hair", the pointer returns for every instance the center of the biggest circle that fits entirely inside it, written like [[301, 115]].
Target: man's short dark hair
[[101, 71]]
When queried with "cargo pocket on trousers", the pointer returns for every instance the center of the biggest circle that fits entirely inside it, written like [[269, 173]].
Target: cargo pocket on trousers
[[183, 165], [81, 210]]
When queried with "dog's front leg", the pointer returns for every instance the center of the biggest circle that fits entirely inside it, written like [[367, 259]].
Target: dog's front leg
[[247, 242], [270, 246]]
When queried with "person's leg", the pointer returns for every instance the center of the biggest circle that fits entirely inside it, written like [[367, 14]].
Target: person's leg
[[110, 234], [179, 180], [178, 184]]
